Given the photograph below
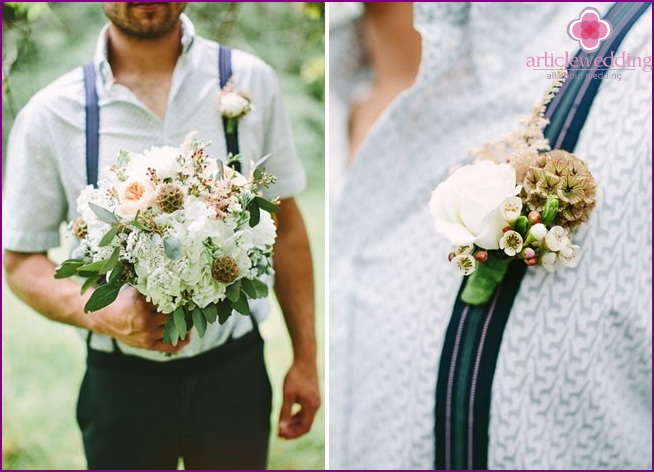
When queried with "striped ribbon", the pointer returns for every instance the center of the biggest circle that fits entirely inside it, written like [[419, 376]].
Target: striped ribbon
[[474, 335]]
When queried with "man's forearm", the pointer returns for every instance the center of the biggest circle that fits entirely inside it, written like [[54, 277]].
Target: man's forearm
[[31, 278], [294, 281]]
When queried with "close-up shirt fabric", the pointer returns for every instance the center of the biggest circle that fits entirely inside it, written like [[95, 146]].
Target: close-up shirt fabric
[[572, 386], [46, 149]]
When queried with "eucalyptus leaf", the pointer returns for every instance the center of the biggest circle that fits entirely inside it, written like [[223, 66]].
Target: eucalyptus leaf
[[266, 205], [103, 214], [199, 321], [210, 312], [172, 248], [138, 225], [261, 288], [170, 333], [111, 262], [224, 311], [248, 288], [68, 268], [261, 161], [179, 317], [109, 236], [88, 283], [233, 292], [221, 170], [257, 174], [101, 297], [116, 273], [92, 267], [241, 305], [255, 214]]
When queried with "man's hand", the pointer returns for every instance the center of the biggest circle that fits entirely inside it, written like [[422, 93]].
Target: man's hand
[[294, 290], [130, 319], [301, 388], [135, 322]]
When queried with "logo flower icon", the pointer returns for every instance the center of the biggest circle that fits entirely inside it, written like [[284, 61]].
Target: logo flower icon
[[589, 29]]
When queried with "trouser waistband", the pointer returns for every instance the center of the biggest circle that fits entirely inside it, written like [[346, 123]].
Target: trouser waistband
[[124, 363]]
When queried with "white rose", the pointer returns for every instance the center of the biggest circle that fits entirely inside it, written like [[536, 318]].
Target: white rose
[[264, 233], [135, 195], [233, 104], [466, 206]]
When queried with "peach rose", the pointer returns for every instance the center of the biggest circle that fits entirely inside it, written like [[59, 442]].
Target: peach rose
[[135, 195]]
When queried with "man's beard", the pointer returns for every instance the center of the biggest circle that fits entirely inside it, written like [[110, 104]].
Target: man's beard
[[145, 25]]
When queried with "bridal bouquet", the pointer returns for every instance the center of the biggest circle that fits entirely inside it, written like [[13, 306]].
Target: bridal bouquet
[[519, 200], [190, 234]]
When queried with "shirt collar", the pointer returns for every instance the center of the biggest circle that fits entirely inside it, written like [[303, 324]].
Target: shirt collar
[[101, 57]]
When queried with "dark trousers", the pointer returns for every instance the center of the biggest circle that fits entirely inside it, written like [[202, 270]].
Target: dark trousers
[[213, 410]]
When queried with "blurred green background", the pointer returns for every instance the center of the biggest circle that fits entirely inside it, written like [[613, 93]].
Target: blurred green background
[[43, 362]]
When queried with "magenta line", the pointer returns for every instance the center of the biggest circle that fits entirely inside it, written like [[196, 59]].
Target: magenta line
[[473, 386], [586, 84], [450, 382]]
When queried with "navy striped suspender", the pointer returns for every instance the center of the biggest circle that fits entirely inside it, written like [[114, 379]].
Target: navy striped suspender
[[92, 124], [474, 334], [224, 74]]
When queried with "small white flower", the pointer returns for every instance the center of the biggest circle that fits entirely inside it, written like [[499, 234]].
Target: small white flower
[[557, 238], [234, 104], [462, 250], [538, 231], [569, 256], [511, 208], [511, 243], [549, 261], [464, 264]]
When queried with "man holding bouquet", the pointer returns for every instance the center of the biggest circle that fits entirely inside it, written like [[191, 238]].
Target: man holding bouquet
[[210, 401]]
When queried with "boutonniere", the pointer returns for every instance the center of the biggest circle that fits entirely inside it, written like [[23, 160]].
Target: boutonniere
[[233, 105], [518, 200]]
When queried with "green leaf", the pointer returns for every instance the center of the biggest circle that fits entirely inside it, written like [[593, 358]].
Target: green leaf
[[224, 311], [138, 225], [179, 318], [255, 215], [68, 268], [170, 332], [109, 236], [258, 173], [221, 170], [550, 210], [484, 280], [103, 214], [199, 322], [522, 225], [93, 267], [248, 288], [210, 312], [101, 297], [116, 274], [266, 205], [111, 262], [172, 248], [88, 283], [241, 305], [261, 288], [233, 292]]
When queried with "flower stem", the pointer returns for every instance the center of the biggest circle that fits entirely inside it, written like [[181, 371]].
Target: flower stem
[[231, 125], [483, 281]]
